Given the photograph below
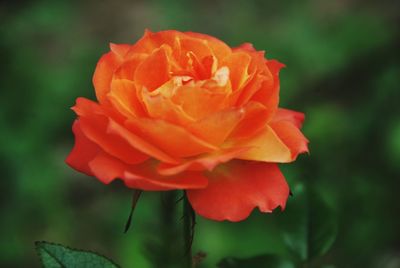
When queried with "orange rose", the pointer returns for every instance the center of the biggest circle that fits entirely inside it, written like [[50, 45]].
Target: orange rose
[[185, 111]]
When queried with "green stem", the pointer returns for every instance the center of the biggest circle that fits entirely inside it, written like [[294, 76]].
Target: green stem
[[167, 230], [187, 233]]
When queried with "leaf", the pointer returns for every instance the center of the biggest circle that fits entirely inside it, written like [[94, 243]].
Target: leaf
[[309, 225], [58, 256], [262, 261]]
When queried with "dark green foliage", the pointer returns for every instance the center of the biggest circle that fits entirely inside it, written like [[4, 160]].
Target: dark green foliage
[[264, 261], [58, 256], [314, 229]]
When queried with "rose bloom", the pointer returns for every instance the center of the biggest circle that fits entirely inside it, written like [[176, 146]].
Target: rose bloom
[[185, 111]]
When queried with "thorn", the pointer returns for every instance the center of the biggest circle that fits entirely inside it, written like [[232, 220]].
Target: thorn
[[135, 199]]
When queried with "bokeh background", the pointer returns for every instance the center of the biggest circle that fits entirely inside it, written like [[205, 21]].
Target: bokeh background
[[343, 71]]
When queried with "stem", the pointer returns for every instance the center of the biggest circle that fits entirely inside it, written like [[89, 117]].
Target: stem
[[187, 233], [167, 256]]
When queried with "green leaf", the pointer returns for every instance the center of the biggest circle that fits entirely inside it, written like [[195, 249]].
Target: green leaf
[[309, 225], [58, 256], [262, 261]]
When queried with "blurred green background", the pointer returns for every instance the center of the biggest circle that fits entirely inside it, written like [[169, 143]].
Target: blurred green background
[[343, 71]]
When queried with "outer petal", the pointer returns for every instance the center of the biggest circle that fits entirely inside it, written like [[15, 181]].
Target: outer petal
[[107, 168], [83, 152], [114, 138], [266, 146], [291, 136], [296, 118], [103, 74], [120, 49], [236, 188], [89, 158]]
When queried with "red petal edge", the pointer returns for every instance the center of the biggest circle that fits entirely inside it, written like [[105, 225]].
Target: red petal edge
[[237, 187]]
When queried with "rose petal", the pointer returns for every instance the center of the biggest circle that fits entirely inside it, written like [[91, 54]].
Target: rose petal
[[151, 41], [199, 102], [154, 70], [255, 118], [127, 69], [172, 139], [217, 127], [219, 48], [237, 187], [246, 46], [203, 162], [159, 106], [106, 169], [255, 83], [294, 117], [83, 151], [154, 182], [103, 74], [238, 64], [95, 129], [123, 96], [236, 122], [107, 131], [197, 46], [120, 49], [266, 146], [268, 94], [291, 136]]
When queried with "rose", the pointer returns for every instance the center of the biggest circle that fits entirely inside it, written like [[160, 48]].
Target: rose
[[185, 111]]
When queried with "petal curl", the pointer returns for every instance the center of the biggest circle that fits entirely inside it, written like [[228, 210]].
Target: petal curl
[[291, 136], [120, 49], [237, 187], [296, 118]]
